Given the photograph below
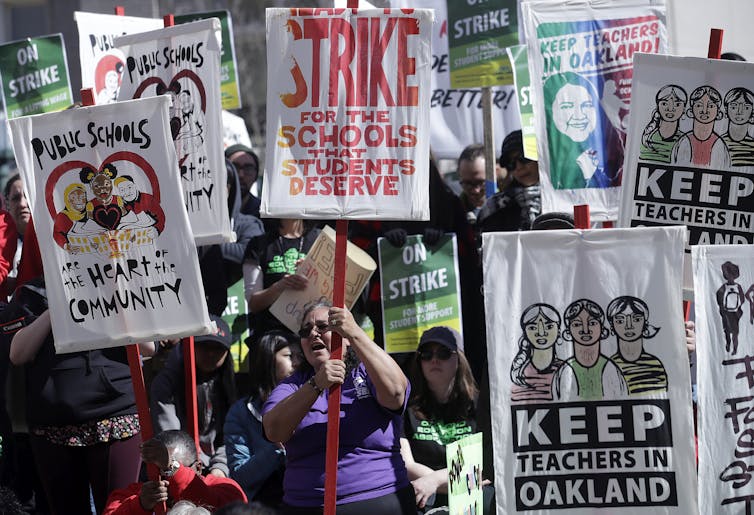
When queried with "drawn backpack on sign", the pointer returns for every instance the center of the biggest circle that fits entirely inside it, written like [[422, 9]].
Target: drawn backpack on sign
[[731, 298]]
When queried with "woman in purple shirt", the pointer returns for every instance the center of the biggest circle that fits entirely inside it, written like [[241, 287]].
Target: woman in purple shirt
[[372, 477]]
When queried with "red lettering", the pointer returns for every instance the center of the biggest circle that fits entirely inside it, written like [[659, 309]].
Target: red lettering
[[316, 30], [310, 130], [296, 185], [407, 95], [377, 72], [339, 63]]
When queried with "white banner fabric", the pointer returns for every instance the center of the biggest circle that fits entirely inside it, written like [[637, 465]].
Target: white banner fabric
[[347, 123], [184, 62], [120, 264], [589, 375], [581, 68], [723, 286], [102, 65]]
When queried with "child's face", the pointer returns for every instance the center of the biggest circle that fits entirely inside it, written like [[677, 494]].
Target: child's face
[[541, 332], [585, 329], [670, 109], [739, 111], [628, 325], [705, 109]]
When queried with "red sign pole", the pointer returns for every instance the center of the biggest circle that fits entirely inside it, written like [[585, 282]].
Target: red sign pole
[[336, 352], [715, 43], [581, 216], [120, 10]]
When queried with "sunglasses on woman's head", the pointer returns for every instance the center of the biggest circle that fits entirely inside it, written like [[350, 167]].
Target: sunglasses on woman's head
[[305, 331], [442, 353]]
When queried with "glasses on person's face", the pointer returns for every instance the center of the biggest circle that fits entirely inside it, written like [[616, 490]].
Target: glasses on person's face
[[511, 162], [249, 168], [306, 330], [441, 353]]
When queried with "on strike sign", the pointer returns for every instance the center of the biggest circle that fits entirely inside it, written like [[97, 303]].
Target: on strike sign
[[347, 99]]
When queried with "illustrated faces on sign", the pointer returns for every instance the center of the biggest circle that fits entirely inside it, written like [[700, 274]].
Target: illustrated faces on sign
[[739, 106], [127, 190], [102, 187], [574, 112], [542, 332], [585, 328], [629, 324], [671, 108], [77, 198]]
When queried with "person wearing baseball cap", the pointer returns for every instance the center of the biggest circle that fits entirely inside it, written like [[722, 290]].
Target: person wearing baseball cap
[[215, 392], [246, 162], [441, 410]]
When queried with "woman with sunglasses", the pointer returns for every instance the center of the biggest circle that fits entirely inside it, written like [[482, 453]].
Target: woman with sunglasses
[[441, 410], [371, 475]]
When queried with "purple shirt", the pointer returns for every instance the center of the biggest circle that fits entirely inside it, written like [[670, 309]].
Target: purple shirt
[[369, 460]]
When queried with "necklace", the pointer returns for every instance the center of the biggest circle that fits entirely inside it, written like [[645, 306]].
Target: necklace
[[300, 244]]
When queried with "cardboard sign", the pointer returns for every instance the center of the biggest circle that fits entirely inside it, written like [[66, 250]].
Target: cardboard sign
[[724, 306], [347, 130], [231, 95], [420, 289], [478, 33], [590, 395], [691, 152], [102, 64], [34, 74], [184, 62], [317, 267], [103, 186], [580, 65], [464, 459]]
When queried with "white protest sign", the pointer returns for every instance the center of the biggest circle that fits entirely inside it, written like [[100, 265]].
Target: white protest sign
[[184, 62], [234, 130], [347, 127], [580, 67], [317, 267], [690, 157], [590, 392], [724, 306], [102, 65], [455, 117], [120, 264]]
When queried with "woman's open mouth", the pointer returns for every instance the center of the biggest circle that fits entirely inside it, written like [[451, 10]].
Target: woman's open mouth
[[318, 346]]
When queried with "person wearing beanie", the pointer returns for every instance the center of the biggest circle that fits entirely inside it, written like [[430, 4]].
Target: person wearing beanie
[[515, 207], [247, 165]]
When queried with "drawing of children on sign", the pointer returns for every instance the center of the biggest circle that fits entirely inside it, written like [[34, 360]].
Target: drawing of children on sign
[[702, 146], [730, 299], [663, 130], [142, 208], [74, 214], [629, 322], [107, 78], [105, 209], [739, 108], [588, 374], [535, 364], [585, 150], [186, 122]]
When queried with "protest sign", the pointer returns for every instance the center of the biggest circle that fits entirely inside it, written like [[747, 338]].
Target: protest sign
[[317, 267], [590, 397], [519, 57], [420, 289], [455, 114], [34, 74], [103, 186], [102, 65], [354, 149], [464, 459], [580, 64], [235, 316], [184, 62], [234, 130], [231, 96], [723, 285], [478, 34], [690, 156]]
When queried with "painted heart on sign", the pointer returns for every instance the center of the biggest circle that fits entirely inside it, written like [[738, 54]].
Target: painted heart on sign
[[174, 86], [131, 161], [107, 216]]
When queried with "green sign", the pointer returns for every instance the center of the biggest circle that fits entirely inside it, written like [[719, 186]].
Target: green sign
[[235, 316], [231, 97], [464, 459], [420, 289], [478, 33], [519, 57], [35, 76]]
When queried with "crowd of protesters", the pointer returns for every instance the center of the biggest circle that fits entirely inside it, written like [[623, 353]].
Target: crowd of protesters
[[76, 447]]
